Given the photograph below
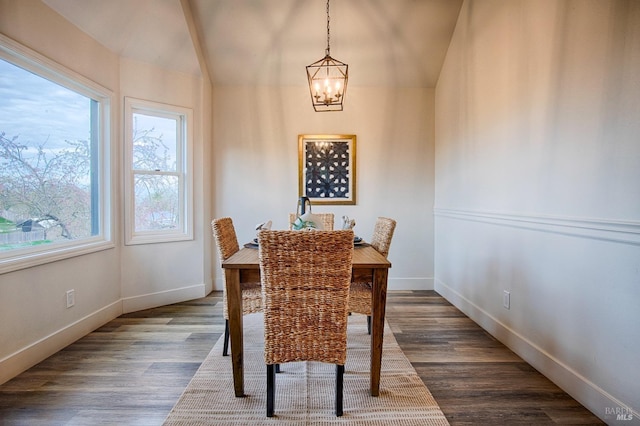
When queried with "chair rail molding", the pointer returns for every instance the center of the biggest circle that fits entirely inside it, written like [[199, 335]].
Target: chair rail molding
[[620, 231]]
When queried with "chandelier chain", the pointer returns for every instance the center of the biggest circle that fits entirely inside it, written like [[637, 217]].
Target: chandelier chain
[[328, 51]]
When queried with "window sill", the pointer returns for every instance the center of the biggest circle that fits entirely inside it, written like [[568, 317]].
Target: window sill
[[29, 259]]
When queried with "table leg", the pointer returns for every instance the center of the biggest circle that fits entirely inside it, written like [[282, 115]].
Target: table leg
[[378, 307], [234, 300]]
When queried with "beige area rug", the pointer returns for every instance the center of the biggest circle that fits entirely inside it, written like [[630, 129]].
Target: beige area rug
[[305, 391]]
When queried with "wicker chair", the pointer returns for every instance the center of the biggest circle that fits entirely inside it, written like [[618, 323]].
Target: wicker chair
[[305, 286], [360, 292], [227, 242], [327, 220]]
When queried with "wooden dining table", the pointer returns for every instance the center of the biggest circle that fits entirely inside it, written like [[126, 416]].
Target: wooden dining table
[[244, 266]]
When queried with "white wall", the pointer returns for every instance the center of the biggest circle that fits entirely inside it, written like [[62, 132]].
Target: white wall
[[256, 165], [537, 183], [34, 320], [164, 273]]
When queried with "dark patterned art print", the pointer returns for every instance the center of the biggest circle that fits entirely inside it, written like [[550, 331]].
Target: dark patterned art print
[[328, 168]]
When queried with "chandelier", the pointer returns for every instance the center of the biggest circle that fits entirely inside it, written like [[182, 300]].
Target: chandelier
[[327, 79]]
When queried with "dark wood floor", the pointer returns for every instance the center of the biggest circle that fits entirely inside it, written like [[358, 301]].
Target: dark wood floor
[[475, 379], [133, 370]]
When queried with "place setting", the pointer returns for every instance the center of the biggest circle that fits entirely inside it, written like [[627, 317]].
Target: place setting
[[305, 220]]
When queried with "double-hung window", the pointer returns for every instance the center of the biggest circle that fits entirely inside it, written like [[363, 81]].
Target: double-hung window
[[54, 160], [158, 164]]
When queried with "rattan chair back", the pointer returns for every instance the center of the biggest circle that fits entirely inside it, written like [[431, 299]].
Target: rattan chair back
[[305, 279], [360, 293], [224, 234], [382, 235], [326, 218]]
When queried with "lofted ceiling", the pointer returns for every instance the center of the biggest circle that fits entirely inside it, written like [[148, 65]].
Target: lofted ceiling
[[269, 42]]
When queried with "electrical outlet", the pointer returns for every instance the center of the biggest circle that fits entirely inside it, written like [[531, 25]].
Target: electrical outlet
[[506, 299], [71, 298]]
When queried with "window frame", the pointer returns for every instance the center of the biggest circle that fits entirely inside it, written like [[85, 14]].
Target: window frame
[[184, 171], [28, 59]]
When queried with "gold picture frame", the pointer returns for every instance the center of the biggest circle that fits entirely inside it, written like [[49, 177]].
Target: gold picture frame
[[327, 168]]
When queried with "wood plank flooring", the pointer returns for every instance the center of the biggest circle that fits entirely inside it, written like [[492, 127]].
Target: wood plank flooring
[[133, 370], [475, 379]]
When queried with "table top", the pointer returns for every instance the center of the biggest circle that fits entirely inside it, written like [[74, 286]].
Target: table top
[[363, 257]]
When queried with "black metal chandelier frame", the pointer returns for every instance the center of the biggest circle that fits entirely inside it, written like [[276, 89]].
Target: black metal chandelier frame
[[328, 79]]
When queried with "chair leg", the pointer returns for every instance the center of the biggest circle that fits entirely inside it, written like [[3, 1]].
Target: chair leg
[[271, 389], [277, 368], [225, 347], [339, 389], [369, 324]]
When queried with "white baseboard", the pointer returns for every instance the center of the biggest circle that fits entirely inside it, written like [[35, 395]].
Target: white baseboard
[[40, 350], [595, 399], [31, 355], [153, 300]]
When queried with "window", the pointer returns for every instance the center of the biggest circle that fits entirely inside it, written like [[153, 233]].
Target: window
[[158, 179], [54, 163]]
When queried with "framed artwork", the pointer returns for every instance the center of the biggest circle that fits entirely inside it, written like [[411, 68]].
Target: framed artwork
[[327, 168]]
